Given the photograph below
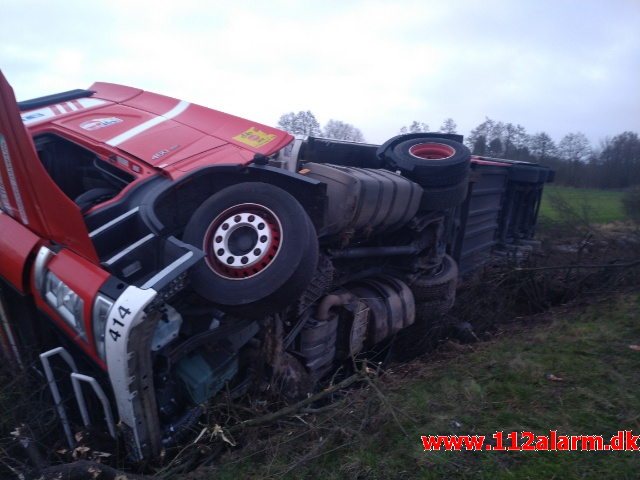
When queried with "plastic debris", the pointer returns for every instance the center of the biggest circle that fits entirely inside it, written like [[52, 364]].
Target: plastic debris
[[217, 431]]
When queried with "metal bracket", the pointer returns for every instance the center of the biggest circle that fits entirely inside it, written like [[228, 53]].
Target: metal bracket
[[76, 378], [53, 386]]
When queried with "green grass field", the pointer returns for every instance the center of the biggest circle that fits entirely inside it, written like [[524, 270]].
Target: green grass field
[[501, 385], [597, 206]]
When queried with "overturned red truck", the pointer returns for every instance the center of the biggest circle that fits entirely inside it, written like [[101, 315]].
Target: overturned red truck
[[154, 252]]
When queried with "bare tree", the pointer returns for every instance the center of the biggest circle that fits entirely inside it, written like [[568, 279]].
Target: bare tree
[[542, 146], [339, 130], [498, 139], [287, 122], [497, 130], [479, 146], [515, 141], [301, 123], [448, 126], [509, 137], [495, 147], [574, 147], [415, 127], [479, 138], [619, 162]]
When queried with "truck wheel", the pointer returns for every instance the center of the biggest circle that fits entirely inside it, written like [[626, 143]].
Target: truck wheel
[[440, 287], [427, 312], [432, 162], [260, 247], [434, 295]]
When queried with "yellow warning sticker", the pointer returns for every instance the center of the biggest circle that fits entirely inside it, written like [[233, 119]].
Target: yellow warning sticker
[[254, 138]]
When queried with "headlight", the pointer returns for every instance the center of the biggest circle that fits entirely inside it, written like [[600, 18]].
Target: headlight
[[101, 308], [66, 302]]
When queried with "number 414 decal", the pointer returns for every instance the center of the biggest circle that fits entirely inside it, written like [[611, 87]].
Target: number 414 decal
[[117, 324]]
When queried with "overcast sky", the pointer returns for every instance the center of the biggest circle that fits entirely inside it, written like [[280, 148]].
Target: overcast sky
[[558, 66]]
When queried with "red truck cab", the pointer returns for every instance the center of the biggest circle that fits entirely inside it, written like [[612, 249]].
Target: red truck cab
[[69, 156]]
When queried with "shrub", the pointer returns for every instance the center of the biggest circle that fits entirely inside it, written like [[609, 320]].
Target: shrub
[[631, 203]]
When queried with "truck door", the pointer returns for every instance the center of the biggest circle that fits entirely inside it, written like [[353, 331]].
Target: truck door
[[27, 193], [45, 249]]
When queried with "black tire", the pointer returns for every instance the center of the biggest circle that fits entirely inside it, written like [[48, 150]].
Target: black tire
[[431, 162], [440, 287], [433, 311], [260, 246], [444, 198], [434, 296]]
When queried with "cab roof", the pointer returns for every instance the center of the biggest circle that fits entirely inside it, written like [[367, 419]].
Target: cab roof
[[159, 130]]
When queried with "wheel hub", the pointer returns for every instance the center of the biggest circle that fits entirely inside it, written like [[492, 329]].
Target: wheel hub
[[432, 151], [242, 241]]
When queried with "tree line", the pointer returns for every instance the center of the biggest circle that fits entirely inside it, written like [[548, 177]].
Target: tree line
[[615, 163], [305, 123]]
